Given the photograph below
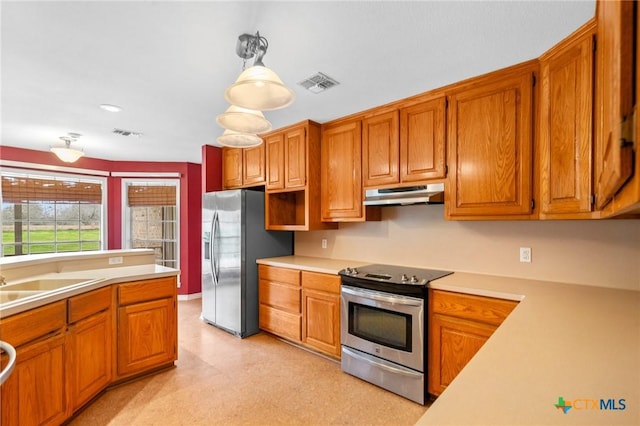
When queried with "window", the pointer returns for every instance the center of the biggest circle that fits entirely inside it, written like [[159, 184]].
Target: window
[[151, 218], [51, 213]]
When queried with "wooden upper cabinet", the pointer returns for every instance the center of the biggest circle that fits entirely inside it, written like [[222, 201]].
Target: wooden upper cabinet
[[380, 149], [287, 158], [231, 167], [341, 173], [490, 141], [295, 157], [615, 75], [422, 141], [253, 165], [566, 111], [243, 167], [405, 145], [274, 147]]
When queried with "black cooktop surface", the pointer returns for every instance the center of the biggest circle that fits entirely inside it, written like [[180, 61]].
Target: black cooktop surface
[[390, 277]]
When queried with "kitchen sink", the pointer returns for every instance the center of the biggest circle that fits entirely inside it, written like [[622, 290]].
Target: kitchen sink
[[10, 296], [43, 284]]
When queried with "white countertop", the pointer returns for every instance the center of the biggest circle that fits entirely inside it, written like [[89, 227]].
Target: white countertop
[[578, 342], [97, 278]]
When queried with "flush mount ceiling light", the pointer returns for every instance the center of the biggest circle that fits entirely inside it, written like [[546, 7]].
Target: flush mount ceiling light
[[257, 87], [243, 120], [65, 152], [239, 140]]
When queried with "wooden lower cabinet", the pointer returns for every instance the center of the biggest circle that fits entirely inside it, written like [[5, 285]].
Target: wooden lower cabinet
[[65, 349], [147, 326], [35, 393], [321, 312], [459, 325], [302, 307], [89, 345], [279, 297]]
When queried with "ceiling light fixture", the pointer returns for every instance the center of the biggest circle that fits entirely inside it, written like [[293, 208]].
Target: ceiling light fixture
[[257, 87], [65, 152], [239, 140], [243, 120]]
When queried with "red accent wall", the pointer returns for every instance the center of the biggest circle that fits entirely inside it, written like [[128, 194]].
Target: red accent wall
[[191, 184]]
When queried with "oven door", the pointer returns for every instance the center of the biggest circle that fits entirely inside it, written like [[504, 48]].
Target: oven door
[[384, 325]]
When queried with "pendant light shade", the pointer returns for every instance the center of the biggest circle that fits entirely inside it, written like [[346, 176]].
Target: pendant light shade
[[259, 88], [65, 152], [239, 140], [243, 120]]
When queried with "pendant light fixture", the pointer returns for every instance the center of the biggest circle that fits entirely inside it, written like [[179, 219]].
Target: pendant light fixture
[[239, 140], [65, 152], [257, 87], [243, 120]]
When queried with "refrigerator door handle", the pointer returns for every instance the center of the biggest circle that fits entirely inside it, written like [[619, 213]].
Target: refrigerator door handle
[[215, 226]]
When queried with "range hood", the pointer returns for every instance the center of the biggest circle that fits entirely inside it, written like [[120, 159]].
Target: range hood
[[423, 194]]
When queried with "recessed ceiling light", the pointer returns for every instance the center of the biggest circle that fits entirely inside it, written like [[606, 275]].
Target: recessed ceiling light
[[111, 108]]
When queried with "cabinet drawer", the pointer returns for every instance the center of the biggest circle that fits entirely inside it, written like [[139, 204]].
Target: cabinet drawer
[[282, 275], [30, 325], [279, 296], [323, 282], [87, 304], [282, 323], [142, 291], [478, 308]]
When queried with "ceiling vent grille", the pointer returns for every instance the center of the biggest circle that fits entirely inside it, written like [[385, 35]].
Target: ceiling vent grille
[[318, 82], [123, 132]]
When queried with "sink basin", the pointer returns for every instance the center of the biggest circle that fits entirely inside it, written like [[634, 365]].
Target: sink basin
[[44, 284], [10, 296]]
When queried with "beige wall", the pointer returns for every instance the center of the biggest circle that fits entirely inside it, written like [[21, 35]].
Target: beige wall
[[603, 253]]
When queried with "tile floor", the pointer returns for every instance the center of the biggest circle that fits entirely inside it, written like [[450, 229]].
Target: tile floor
[[222, 380]]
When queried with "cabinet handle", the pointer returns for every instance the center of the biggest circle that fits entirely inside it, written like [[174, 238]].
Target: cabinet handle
[[11, 352]]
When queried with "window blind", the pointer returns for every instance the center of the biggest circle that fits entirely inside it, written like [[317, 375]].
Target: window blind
[[18, 189], [139, 196]]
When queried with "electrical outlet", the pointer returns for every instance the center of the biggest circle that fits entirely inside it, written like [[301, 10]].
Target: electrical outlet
[[324, 243], [525, 254], [117, 260]]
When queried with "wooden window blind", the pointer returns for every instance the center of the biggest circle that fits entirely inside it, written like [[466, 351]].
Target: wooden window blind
[[17, 189], [144, 196]]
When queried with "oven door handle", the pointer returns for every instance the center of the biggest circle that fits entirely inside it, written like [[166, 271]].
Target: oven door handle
[[380, 297], [378, 364]]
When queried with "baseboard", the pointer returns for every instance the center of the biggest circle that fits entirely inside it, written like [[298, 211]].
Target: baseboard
[[182, 297]]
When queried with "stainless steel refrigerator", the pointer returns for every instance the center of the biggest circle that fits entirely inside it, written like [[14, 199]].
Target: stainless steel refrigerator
[[233, 237]]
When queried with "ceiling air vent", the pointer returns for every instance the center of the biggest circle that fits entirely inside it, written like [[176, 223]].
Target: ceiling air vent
[[318, 82], [122, 132]]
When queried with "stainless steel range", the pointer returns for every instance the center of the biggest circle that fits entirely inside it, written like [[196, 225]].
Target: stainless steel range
[[383, 326]]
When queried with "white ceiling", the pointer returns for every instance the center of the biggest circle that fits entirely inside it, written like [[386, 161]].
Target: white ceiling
[[168, 63]]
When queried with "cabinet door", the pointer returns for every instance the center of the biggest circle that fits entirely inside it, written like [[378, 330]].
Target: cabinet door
[[321, 321], [146, 336], [274, 146], [422, 141], [35, 392], [490, 137], [90, 354], [566, 107], [380, 150], [341, 173], [231, 167], [321, 312], [452, 344], [295, 158], [615, 96], [253, 165]]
